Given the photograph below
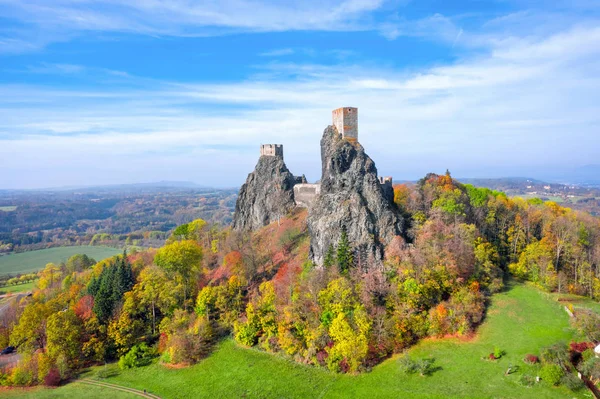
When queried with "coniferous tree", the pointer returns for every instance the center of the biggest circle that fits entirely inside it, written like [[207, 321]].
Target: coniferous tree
[[329, 257], [344, 252]]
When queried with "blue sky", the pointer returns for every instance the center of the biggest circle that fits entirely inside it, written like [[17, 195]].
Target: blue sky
[[105, 91]]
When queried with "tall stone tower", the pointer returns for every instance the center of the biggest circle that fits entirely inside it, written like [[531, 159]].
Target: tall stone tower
[[346, 122], [271, 150]]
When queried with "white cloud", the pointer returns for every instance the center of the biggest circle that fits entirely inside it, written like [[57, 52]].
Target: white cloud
[[528, 105], [278, 52]]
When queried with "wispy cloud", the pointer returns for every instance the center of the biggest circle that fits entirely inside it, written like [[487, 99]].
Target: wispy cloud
[[278, 52], [48, 68], [505, 108], [68, 18]]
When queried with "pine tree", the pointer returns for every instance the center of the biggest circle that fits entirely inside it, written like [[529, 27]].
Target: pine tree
[[344, 252], [329, 258]]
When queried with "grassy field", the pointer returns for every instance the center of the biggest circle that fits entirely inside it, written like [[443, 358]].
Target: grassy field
[[17, 288], [577, 301], [31, 261], [520, 321], [8, 208], [67, 392]]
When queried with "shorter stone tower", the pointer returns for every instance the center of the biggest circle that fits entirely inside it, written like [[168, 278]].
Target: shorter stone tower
[[345, 121], [271, 150]]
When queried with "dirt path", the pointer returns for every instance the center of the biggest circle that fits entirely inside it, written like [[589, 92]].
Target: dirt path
[[118, 387]]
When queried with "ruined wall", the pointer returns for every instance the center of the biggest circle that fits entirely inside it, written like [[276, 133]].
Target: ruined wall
[[272, 150], [346, 122], [305, 194], [387, 186]]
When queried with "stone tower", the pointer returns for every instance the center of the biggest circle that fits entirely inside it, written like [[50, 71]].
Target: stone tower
[[271, 150], [346, 122]]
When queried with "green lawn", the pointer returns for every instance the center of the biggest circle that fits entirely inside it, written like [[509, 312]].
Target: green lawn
[[31, 261], [519, 321], [8, 208], [17, 288], [577, 301], [67, 392]]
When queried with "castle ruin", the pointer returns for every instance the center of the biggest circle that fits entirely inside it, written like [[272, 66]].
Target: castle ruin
[[345, 120], [271, 150]]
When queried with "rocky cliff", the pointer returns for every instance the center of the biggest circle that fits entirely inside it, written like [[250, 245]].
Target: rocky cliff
[[267, 194], [351, 197]]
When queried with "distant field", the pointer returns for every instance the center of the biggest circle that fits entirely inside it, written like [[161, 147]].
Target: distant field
[[521, 320], [17, 288], [35, 260], [8, 208]]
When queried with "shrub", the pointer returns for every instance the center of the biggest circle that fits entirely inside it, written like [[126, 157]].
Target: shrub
[[572, 382], [527, 380], [588, 354], [531, 359], [591, 368], [580, 347], [552, 373], [407, 364], [107, 372], [423, 366], [588, 324], [20, 376], [498, 352], [138, 356], [52, 379], [557, 354]]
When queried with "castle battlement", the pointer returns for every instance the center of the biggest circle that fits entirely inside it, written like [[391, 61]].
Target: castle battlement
[[271, 150], [345, 120], [387, 180]]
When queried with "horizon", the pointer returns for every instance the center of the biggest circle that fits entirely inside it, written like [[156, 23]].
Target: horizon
[[100, 93]]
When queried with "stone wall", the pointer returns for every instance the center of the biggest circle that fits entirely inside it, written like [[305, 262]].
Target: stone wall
[[305, 194], [387, 186], [345, 121], [272, 150]]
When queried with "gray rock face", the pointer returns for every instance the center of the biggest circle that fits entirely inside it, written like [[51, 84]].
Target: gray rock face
[[267, 194], [351, 197]]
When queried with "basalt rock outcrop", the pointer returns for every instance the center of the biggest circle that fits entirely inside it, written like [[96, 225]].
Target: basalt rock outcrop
[[352, 198], [267, 194]]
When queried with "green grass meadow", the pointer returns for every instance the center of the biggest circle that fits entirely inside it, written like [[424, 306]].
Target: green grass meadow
[[520, 321], [17, 288], [32, 261], [70, 391], [8, 208]]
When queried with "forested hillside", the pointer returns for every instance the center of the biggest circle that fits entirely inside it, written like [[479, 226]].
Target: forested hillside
[[209, 282]]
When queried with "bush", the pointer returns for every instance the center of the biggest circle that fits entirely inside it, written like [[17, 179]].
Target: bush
[[531, 359], [107, 372], [588, 324], [591, 368], [423, 366], [588, 354], [21, 376], [498, 352], [557, 354], [552, 374], [580, 347], [527, 380], [407, 365], [138, 356], [52, 379], [572, 382]]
